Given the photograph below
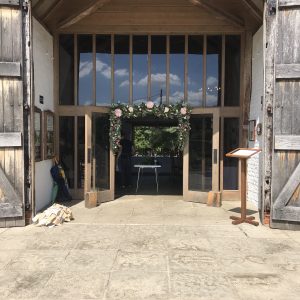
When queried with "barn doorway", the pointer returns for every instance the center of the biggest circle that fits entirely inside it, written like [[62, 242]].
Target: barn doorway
[[154, 143]]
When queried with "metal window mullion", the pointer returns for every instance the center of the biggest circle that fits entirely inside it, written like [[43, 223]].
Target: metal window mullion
[[112, 69], [204, 69], [75, 101], [223, 72], [130, 70], [186, 69], [94, 70], [149, 67], [168, 71]]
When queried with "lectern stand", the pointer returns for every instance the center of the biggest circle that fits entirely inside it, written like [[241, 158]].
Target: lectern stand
[[243, 154]]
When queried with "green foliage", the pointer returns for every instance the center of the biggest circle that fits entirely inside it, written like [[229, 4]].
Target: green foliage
[[179, 111], [155, 140]]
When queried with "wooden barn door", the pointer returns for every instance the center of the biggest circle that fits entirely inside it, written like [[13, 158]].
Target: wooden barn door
[[286, 116], [11, 116]]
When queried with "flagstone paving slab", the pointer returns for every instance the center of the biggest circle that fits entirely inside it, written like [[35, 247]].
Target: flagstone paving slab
[[150, 247]]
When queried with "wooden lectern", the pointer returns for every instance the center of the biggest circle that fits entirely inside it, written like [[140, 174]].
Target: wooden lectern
[[243, 154]]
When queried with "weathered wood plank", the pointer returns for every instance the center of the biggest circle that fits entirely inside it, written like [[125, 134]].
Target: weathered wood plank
[[10, 205], [17, 37], [287, 142], [6, 43], [10, 69], [10, 2], [288, 213], [288, 190], [10, 139], [288, 71], [288, 3]]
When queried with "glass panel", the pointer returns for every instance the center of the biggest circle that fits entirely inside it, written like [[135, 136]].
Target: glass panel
[[80, 151], [103, 70], [195, 71], [121, 73], [140, 68], [158, 68], [232, 70], [101, 153], [213, 71], [231, 142], [200, 154], [66, 147], [176, 69], [66, 69], [85, 69]]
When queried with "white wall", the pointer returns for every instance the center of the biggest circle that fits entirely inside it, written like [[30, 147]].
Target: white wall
[[43, 85], [255, 163]]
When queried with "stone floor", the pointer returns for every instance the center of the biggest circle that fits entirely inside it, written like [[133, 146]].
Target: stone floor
[[150, 247]]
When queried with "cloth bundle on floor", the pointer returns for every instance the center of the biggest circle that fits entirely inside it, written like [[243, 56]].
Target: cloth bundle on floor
[[53, 216]]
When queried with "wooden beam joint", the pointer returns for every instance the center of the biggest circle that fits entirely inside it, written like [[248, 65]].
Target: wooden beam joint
[[219, 12]]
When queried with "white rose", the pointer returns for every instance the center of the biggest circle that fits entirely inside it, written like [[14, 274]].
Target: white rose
[[167, 109], [130, 109]]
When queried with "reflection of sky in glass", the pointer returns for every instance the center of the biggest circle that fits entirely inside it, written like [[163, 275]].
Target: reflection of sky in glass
[[121, 71], [85, 74], [213, 62], [140, 69], [176, 69], [158, 68], [195, 71], [103, 70]]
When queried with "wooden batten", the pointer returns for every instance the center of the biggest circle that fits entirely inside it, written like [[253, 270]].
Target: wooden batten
[[11, 139], [287, 71], [10, 2], [288, 3], [10, 69]]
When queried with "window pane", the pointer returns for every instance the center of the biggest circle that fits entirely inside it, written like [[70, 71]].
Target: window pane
[[176, 69], [101, 152], [158, 68], [66, 69], [85, 69], [195, 71], [80, 151], [231, 142], [103, 70], [232, 70], [213, 70], [200, 154], [121, 73], [140, 68], [66, 147]]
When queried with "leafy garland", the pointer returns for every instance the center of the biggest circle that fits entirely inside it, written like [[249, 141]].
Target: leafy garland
[[178, 111]]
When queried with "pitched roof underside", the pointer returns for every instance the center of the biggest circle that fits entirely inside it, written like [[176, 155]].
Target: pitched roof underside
[[58, 15]]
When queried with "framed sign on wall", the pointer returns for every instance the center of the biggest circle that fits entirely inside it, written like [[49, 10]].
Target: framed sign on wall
[[38, 134], [49, 134]]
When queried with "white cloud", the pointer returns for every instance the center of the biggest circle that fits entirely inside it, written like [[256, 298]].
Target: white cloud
[[175, 80], [121, 72], [103, 68], [85, 68], [176, 97], [124, 83], [212, 81]]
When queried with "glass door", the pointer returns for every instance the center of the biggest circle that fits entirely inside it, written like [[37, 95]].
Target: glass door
[[99, 157], [201, 159]]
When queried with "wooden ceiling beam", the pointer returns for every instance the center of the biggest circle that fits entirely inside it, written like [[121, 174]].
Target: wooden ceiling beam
[[51, 10], [76, 17], [214, 9], [256, 12]]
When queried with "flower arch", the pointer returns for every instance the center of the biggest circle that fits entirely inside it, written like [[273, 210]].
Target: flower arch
[[179, 111]]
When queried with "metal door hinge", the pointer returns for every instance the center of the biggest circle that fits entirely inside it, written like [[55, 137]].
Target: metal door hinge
[[271, 7]]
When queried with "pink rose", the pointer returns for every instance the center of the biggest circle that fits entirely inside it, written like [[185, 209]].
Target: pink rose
[[118, 112], [150, 104], [183, 110]]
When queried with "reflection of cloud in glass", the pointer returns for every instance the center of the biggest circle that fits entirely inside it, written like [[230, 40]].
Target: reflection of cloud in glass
[[124, 83], [103, 68], [121, 72], [212, 81], [176, 97], [85, 68]]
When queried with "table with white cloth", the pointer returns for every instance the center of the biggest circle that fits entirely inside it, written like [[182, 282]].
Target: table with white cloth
[[142, 167]]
